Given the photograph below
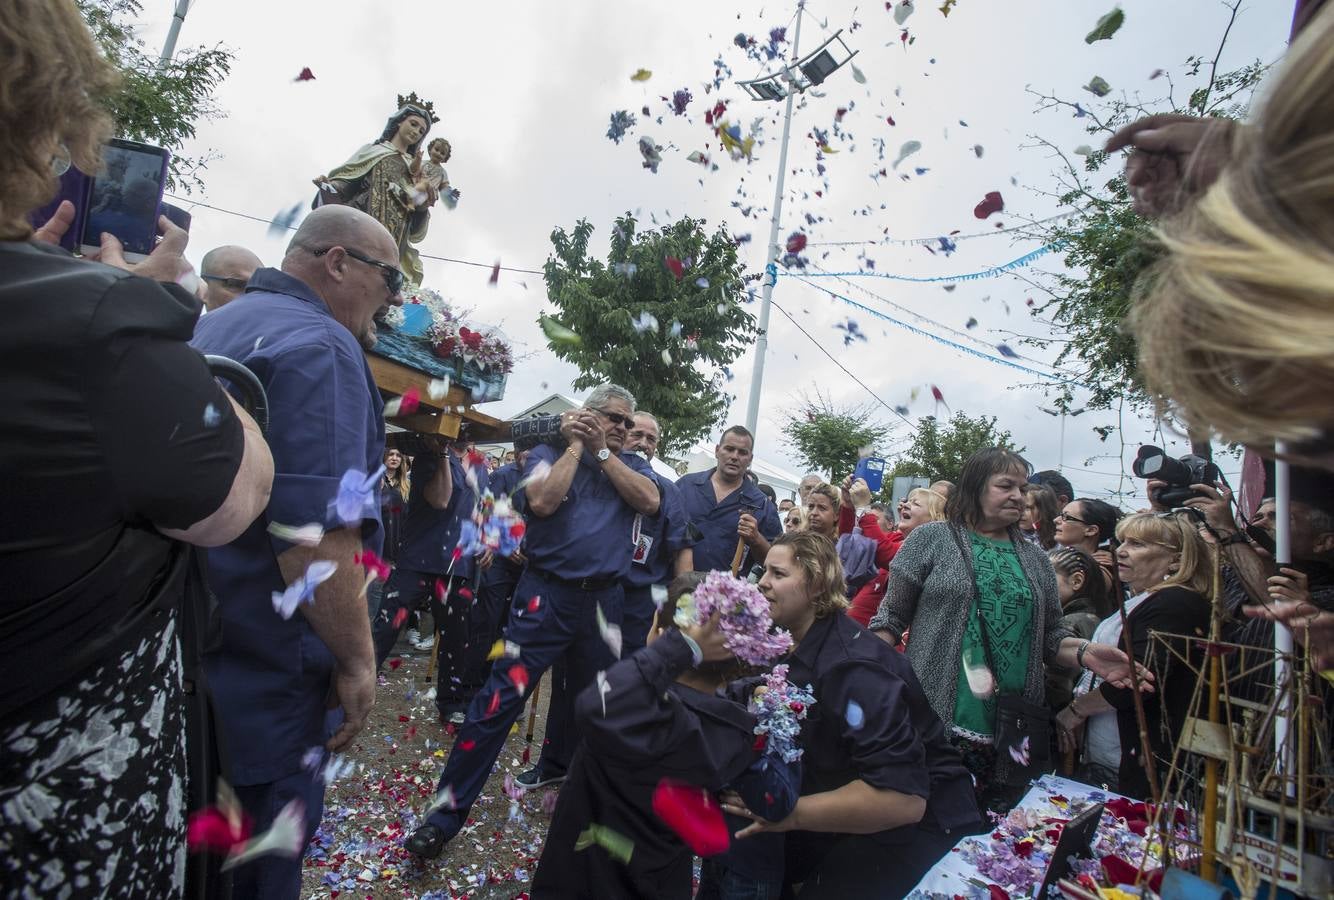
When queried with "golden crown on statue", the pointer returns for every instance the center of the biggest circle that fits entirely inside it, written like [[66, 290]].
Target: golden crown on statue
[[413, 100]]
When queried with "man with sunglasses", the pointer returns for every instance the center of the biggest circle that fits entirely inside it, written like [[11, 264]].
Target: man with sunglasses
[[225, 272], [301, 330], [568, 602]]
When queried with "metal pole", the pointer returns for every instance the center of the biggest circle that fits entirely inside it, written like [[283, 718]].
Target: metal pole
[[177, 20], [1060, 454], [762, 343], [1282, 634]]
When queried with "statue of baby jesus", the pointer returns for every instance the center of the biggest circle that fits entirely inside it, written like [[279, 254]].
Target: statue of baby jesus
[[429, 176]]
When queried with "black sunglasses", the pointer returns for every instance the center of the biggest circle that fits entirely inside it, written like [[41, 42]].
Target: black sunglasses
[[393, 278], [236, 284], [615, 418], [1066, 518]]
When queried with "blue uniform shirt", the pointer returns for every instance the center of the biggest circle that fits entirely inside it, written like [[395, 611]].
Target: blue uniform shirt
[[429, 534], [503, 482], [588, 536], [270, 676], [717, 521], [658, 538]]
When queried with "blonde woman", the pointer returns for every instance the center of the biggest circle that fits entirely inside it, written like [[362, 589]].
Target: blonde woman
[[1169, 569], [1236, 328], [883, 795], [922, 505]]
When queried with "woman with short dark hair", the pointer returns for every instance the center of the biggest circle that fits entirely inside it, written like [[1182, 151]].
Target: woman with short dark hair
[[984, 611]]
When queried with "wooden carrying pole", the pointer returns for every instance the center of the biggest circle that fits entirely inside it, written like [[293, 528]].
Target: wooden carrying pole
[[740, 552]]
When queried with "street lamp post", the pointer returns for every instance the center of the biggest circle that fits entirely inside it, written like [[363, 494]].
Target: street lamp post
[[177, 20], [828, 58], [1062, 413], [775, 225]]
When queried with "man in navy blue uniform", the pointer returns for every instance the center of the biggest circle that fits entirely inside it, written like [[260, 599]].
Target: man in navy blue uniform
[[725, 507], [486, 618], [578, 544], [662, 543], [661, 551], [301, 331], [443, 496]]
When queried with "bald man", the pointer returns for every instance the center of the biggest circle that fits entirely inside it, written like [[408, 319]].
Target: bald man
[[225, 271], [302, 330]]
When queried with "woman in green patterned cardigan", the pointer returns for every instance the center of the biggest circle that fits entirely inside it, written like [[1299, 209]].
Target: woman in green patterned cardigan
[[952, 579]]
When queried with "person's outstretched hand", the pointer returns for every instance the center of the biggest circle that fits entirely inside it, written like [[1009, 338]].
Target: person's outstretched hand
[[1113, 666], [1174, 159]]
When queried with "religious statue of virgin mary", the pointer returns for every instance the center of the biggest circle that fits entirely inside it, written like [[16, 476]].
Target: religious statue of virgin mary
[[381, 179]]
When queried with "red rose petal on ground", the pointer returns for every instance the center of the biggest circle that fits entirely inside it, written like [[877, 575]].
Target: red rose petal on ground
[[997, 892], [395, 663], [693, 814]]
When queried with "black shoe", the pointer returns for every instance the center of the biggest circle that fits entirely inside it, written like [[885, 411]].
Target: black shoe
[[536, 778], [427, 842]]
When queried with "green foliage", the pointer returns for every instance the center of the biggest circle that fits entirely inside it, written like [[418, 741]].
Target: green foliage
[[158, 104], [1108, 248], [831, 439], [939, 450], [679, 377]]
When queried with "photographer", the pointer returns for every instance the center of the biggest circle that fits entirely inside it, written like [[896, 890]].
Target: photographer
[[118, 449]]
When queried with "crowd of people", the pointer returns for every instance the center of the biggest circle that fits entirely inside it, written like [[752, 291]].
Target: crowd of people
[[190, 620]]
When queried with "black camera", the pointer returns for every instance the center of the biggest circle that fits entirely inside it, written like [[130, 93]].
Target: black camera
[[1177, 474]]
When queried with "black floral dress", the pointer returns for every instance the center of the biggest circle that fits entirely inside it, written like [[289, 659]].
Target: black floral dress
[[92, 780]]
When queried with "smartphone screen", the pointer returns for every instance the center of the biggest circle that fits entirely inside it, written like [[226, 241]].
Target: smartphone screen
[[125, 198]]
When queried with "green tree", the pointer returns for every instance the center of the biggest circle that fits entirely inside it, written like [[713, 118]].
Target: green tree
[[668, 339], [939, 450], [158, 104], [829, 438], [1107, 247]]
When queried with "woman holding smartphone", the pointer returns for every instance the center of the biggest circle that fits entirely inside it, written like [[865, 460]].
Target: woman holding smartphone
[[129, 451]]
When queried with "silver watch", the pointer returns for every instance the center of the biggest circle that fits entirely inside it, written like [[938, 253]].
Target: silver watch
[[603, 455]]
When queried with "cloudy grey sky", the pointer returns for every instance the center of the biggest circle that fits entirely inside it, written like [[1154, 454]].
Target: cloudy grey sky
[[524, 91]]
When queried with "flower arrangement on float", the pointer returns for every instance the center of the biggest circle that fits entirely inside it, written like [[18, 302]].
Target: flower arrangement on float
[[430, 335]]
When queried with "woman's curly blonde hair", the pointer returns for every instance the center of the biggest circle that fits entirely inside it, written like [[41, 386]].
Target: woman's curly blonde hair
[[1236, 325], [55, 79]]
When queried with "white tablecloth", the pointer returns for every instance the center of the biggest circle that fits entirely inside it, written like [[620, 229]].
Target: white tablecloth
[[954, 876]]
